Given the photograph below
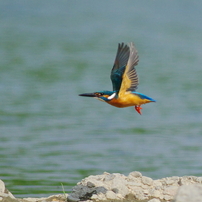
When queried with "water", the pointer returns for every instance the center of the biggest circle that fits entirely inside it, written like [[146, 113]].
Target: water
[[53, 50]]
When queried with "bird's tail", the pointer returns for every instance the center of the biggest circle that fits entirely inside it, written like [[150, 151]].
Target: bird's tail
[[142, 96]]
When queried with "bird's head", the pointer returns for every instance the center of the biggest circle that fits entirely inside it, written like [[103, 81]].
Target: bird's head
[[104, 96]]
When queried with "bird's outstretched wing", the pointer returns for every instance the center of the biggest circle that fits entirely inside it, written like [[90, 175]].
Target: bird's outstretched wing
[[129, 77], [118, 69]]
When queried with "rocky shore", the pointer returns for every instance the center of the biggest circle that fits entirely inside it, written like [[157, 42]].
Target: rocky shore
[[120, 188]]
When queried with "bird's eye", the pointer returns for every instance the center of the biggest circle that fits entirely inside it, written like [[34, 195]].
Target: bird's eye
[[99, 94]]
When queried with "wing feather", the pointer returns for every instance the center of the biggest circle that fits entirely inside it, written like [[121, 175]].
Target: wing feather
[[130, 78], [118, 69]]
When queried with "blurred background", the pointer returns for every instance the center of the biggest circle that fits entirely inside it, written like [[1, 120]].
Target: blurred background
[[53, 50]]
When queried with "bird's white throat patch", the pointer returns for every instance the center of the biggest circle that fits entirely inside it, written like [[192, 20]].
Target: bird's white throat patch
[[111, 96]]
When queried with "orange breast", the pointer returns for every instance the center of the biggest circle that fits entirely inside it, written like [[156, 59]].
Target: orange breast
[[128, 100]]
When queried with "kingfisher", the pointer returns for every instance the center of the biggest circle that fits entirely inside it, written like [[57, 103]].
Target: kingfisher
[[124, 81]]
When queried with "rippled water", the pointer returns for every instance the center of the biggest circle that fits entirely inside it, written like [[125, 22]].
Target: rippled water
[[53, 50]]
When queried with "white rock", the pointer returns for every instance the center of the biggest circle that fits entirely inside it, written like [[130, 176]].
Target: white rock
[[111, 195], [171, 190], [109, 177], [156, 193], [189, 193], [119, 183], [34, 199], [147, 180], [101, 196], [154, 200], [134, 184], [135, 174], [170, 181], [199, 180], [2, 187]]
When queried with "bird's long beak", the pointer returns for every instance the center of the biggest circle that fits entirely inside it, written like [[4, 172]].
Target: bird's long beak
[[88, 95]]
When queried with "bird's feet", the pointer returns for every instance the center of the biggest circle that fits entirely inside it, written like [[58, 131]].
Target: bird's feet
[[138, 109]]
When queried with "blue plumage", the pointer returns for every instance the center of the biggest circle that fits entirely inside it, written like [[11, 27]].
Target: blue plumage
[[142, 96]]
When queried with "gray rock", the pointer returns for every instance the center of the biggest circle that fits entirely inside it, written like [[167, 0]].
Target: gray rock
[[83, 193], [72, 199], [90, 184]]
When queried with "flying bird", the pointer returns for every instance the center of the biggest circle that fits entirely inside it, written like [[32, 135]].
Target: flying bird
[[124, 81]]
